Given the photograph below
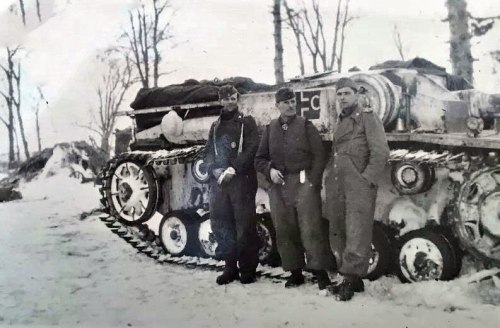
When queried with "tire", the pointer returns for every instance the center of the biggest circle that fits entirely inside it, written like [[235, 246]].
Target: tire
[[268, 250], [206, 238], [199, 172], [382, 253], [179, 234], [411, 178], [455, 245], [425, 254], [127, 178]]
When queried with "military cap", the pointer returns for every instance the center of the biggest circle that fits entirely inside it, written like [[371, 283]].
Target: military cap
[[227, 91], [284, 94], [346, 82]]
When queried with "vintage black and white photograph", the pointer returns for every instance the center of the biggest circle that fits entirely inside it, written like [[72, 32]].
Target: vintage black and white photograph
[[250, 163]]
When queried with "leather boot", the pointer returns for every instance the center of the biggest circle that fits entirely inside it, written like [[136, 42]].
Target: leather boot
[[248, 277], [229, 274], [296, 279], [356, 283], [323, 279]]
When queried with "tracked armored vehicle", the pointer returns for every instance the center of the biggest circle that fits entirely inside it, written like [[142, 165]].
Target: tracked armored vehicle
[[439, 198]]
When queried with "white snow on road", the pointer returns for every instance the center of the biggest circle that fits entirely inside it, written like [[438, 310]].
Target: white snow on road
[[58, 270]]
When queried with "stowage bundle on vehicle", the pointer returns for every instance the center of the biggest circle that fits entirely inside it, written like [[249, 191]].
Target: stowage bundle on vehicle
[[193, 92]]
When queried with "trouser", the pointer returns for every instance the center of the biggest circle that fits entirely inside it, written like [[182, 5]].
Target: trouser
[[296, 215], [232, 217], [352, 200]]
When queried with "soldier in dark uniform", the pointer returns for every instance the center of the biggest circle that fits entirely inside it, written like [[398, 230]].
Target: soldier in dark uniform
[[360, 152], [291, 156], [229, 154]]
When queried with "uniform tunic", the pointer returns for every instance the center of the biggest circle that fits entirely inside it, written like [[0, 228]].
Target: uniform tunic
[[360, 152], [232, 204], [296, 205]]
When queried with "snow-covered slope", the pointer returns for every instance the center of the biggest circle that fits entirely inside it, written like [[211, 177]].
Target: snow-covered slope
[[58, 270]]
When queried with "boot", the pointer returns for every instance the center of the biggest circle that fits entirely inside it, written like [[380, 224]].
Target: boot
[[356, 283], [296, 279], [323, 279], [229, 274], [248, 277], [346, 291]]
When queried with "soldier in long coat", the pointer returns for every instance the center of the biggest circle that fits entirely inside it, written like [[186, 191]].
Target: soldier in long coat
[[291, 156], [229, 155], [360, 152]]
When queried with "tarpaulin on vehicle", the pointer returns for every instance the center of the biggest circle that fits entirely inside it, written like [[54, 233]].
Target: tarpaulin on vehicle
[[453, 82], [192, 92]]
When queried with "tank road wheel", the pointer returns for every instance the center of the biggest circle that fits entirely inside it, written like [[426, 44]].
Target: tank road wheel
[[179, 234], [268, 251], [477, 219], [382, 256], [411, 178], [199, 171], [133, 193], [425, 255], [206, 238]]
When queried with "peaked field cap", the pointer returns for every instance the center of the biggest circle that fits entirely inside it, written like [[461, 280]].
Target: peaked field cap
[[284, 94], [227, 91], [346, 82]]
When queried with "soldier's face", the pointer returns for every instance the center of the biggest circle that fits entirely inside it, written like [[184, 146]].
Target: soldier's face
[[346, 97], [287, 107], [229, 103]]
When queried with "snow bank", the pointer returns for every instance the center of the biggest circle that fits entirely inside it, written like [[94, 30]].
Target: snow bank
[[60, 187]]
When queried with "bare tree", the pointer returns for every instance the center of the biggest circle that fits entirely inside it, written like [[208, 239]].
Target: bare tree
[[148, 29], [278, 44], [39, 100], [110, 93], [38, 12], [463, 27], [293, 21], [17, 103], [308, 27], [345, 21], [8, 96], [398, 42], [460, 46], [23, 11]]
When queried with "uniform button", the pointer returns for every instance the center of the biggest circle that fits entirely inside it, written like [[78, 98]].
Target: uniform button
[[335, 179], [334, 165]]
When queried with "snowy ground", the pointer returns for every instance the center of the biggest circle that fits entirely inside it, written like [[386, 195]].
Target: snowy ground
[[58, 270]]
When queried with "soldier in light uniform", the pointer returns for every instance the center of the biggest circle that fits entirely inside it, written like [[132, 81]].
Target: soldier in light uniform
[[360, 152], [229, 154], [291, 156]]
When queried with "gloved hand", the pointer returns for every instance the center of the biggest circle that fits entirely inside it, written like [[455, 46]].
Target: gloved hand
[[276, 176], [226, 176]]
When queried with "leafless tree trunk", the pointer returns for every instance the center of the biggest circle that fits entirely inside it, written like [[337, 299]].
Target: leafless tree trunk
[[278, 44], [23, 12], [463, 27], [110, 92], [18, 152], [17, 103], [309, 28], [336, 34], [293, 21], [8, 96], [37, 120], [398, 42], [460, 46], [345, 22], [38, 12], [147, 31]]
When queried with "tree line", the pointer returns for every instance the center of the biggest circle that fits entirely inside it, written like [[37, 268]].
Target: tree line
[[139, 52]]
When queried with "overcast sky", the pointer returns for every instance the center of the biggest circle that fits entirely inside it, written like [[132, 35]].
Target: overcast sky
[[215, 38]]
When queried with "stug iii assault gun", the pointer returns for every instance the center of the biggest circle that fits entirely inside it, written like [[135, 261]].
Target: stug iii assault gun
[[439, 198]]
